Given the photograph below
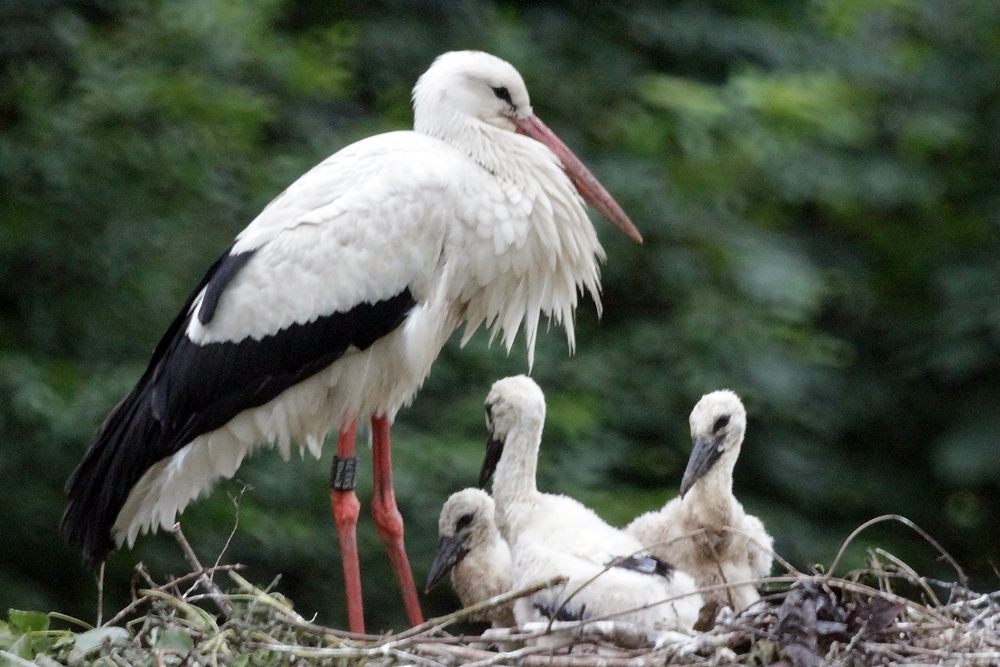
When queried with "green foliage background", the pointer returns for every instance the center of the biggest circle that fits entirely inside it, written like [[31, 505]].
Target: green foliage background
[[817, 183]]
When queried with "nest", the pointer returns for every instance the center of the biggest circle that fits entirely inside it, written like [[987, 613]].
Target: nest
[[883, 614]]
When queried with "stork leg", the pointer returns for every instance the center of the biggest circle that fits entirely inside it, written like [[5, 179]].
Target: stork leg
[[346, 509], [388, 520]]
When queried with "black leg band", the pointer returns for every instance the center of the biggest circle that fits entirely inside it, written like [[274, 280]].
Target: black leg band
[[344, 473]]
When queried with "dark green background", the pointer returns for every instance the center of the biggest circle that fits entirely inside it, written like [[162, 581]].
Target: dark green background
[[817, 183]]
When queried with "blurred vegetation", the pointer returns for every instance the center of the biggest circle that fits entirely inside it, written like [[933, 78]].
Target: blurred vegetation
[[817, 184]]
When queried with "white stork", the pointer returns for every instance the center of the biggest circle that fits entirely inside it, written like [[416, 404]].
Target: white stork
[[608, 571], [334, 302], [705, 530], [471, 548]]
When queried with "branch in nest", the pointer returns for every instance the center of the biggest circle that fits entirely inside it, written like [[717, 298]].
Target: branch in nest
[[216, 593]]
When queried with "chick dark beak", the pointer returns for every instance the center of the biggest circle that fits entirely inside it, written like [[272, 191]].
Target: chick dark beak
[[494, 448], [451, 551], [704, 454]]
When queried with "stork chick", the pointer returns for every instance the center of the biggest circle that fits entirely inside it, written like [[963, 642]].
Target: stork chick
[[705, 530], [472, 549], [608, 572]]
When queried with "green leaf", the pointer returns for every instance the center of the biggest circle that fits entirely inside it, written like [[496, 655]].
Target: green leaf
[[175, 639], [28, 621], [86, 642]]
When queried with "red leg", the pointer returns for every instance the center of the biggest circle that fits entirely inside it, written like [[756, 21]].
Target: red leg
[[346, 509], [388, 521]]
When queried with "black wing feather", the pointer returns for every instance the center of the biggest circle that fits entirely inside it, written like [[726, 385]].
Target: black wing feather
[[645, 564], [225, 270], [190, 389]]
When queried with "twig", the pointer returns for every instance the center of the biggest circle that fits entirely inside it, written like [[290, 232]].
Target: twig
[[914, 577], [963, 580], [219, 597], [128, 609], [287, 614], [195, 615], [467, 612], [517, 656], [236, 522], [416, 658], [100, 593]]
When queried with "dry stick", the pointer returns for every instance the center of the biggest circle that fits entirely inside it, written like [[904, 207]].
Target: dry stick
[[118, 660], [139, 599], [467, 656], [219, 597], [515, 656], [368, 654], [194, 616], [963, 580], [415, 658], [289, 615], [915, 578], [236, 522], [855, 587], [798, 577], [462, 614], [128, 609], [940, 653], [100, 594]]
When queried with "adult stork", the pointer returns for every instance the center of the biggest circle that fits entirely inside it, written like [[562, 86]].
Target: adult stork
[[334, 302]]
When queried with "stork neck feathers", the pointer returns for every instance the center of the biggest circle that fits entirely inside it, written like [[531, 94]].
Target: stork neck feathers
[[718, 424], [711, 497], [515, 475], [518, 414], [497, 149]]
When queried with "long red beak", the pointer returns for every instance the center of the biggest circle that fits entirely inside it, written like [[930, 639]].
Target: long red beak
[[586, 183]]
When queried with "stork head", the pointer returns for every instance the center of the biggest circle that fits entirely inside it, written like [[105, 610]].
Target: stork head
[[464, 84], [515, 406], [718, 422], [464, 88], [466, 522]]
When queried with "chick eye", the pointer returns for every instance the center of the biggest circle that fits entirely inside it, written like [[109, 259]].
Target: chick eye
[[502, 93], [720, 423], [464, 521]]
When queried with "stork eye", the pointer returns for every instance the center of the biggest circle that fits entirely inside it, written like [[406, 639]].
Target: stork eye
[[720, 423], [464, 521], [502, 93]]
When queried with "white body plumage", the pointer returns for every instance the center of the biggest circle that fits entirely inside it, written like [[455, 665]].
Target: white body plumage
[[462, 220], [554, 535], [705, 531]]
